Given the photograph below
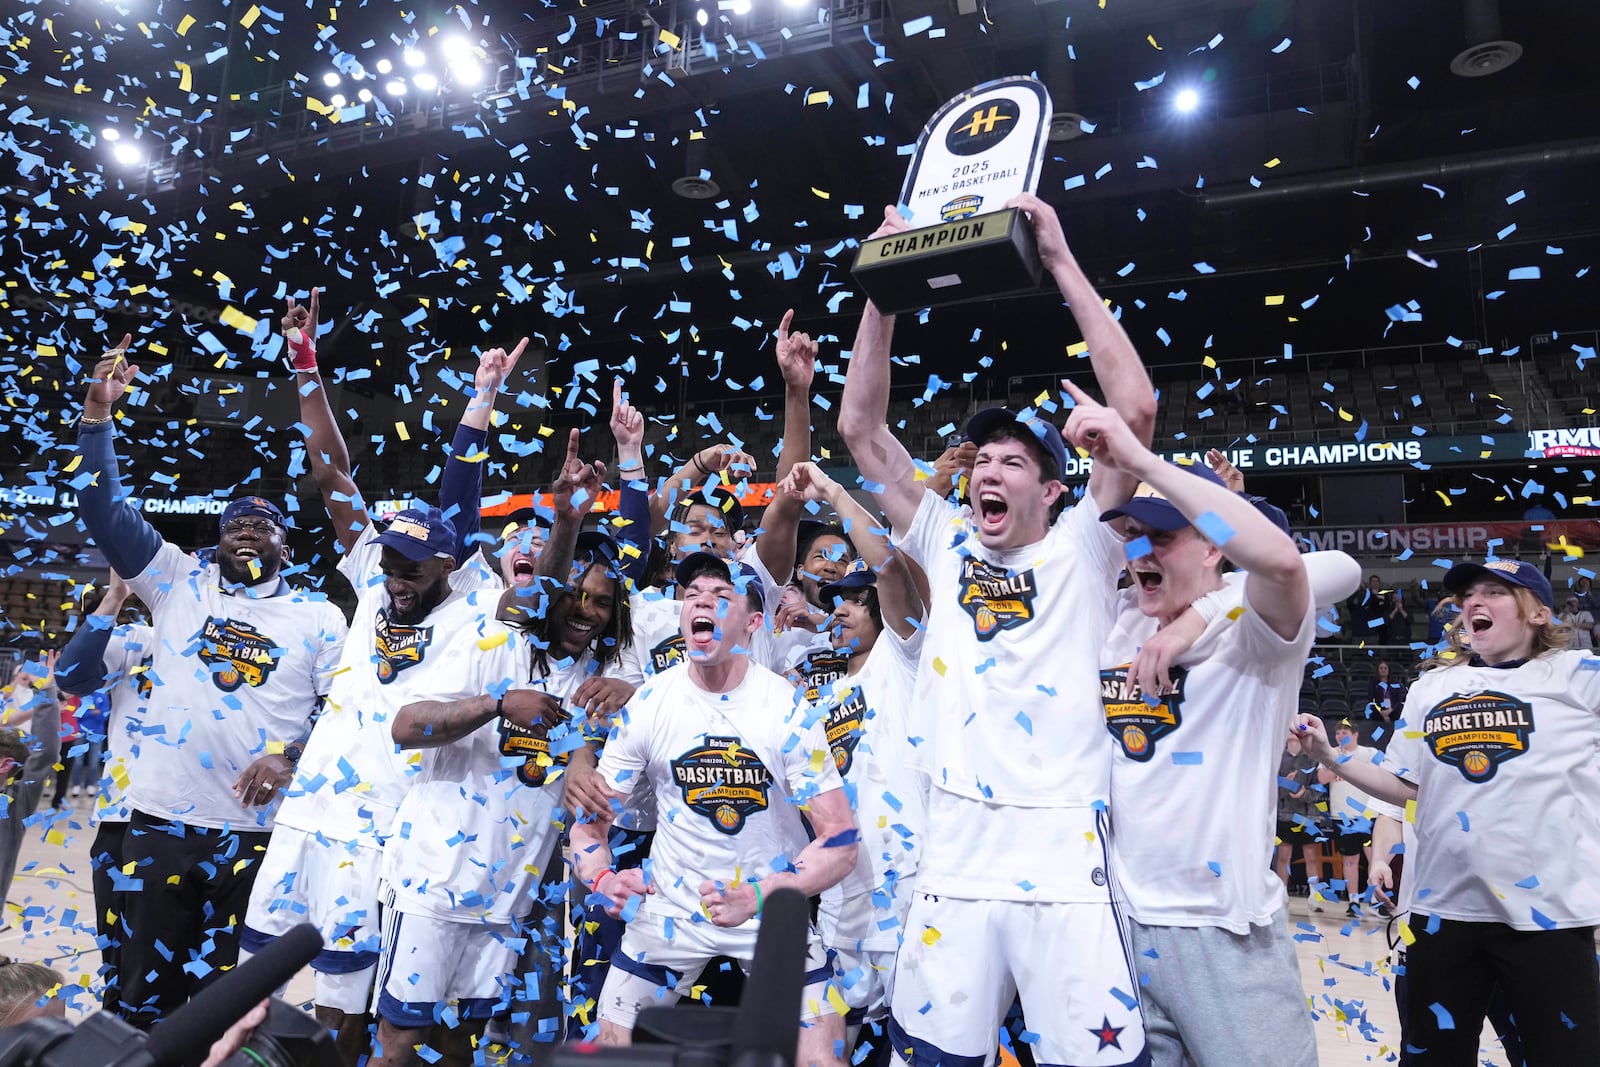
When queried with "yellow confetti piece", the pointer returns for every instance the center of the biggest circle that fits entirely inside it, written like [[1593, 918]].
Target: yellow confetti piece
[[486, 643], [55, 837], [250, 17], [668, 38], [1273, 162], [1078, 350], [1274, 301], [185, 24], [232, 316], [1346, 416], [819, 96], [185, 82], [1405, 933], [1236, 613], [818, 758], [47, 351], [930, 935], [820, 194], [837, 1002], [1445, 497], [400, 428], [1151, 38], [938, 666]]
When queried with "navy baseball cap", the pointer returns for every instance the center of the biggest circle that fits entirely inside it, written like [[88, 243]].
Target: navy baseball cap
[[1511, 571], [251, 505], [1149, 508], [987, 421], [526, 517], [860, 576], [419, 533], [743, 578]]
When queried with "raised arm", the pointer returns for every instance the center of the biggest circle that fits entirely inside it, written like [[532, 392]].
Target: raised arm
[[81, 669], [461, 485], [797, 358], [125, 536], [1117, 367], [864, 411], [713, 459], [1276, 579], [898, 597], [633, 492], [325, 447], [573, 494]]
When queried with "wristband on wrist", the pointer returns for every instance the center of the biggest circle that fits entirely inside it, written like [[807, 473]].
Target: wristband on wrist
[[85, 420], [594, 886], [302, 349], [626, 468], [760, 900], [695, 459]]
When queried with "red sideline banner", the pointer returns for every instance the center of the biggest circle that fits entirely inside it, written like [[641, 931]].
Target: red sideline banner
[[1468, 537], [757, 495]]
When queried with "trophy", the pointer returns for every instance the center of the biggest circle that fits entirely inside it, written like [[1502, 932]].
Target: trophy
[[978, 151]]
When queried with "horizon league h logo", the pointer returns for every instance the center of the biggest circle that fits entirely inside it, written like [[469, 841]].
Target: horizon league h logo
[[987, 125]]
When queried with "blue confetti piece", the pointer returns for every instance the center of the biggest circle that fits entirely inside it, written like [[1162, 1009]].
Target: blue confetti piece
[[1444, 1019], [1188, 759], [1216, 868], [1544, 921], [1282, 46], [1523, 274], [1215, 530], [1127, 1002], [1530, 882], [1466, 826], [1025, 722], [1138, 548]]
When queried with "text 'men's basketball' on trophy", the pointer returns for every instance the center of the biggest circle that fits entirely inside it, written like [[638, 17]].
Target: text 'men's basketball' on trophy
[[978, 151]]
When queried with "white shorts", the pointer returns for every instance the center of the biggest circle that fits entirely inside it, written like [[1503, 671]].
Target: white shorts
[[334, 886], [650, 970], [865, 980], [964, 960], [431, 964]]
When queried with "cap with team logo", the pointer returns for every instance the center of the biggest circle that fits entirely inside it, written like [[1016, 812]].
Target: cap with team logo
[[420, 533], [1511, 571], [859, 576], [258, 506], [988, 420], [742, 578]]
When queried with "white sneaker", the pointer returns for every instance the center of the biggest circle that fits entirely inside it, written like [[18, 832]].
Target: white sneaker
[[77, 791]]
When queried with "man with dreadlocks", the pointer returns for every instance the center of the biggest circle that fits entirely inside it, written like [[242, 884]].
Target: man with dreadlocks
[[482, 818]]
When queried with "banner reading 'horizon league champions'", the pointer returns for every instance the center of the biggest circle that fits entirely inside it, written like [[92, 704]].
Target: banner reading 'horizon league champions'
[[978, 151]]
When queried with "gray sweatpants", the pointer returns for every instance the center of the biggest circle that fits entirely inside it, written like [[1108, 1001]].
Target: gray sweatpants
[[1213, 997]]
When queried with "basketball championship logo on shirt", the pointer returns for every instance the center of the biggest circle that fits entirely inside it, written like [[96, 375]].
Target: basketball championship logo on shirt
[[1136, 723], [237, 654], [533, 747], [820, 669], [724, 781], [668, 653], [1477, 732], [397, 647], [846, 721], [997, 600]]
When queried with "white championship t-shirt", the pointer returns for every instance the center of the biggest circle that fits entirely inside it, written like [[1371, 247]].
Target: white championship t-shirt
[[1007, 700], [1507, 768], [1349, 807], [783, 649], [127, 691], [865, 722], [350, 778], [728, 771], [1194, 778], [233, 671], [478, 825]]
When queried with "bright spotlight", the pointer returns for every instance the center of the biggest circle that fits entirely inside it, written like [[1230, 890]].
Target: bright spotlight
[[365, 96], [741, 7], [426, 82], [330, 79], [396, 88], [700, 16], [795, 3], [1186, 101], [457, 48], [384, 66], [337, 100], [468, 73], [110, 133], [414, 58], [127, 155]]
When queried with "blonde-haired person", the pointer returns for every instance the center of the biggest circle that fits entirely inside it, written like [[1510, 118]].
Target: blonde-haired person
[[1499, 747], [27, 991]]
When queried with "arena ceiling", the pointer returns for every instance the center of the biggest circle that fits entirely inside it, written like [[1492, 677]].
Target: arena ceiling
[[1333, 169]]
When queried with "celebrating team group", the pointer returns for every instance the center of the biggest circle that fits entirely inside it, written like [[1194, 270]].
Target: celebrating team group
[[542, 779]]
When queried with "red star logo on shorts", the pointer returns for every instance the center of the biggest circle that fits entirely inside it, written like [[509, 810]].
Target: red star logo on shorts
[[1107, 1034]]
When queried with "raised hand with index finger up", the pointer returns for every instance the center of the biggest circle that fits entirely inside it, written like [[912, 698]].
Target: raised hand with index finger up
[[112, 375]]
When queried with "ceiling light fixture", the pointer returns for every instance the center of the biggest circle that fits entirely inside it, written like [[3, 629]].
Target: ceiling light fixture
[[1186, 101]]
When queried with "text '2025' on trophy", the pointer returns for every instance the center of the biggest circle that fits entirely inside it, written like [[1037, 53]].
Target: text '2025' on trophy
[[978, 151]]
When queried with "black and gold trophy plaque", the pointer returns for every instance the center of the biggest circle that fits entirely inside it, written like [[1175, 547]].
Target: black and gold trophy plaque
[[978, 151]]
